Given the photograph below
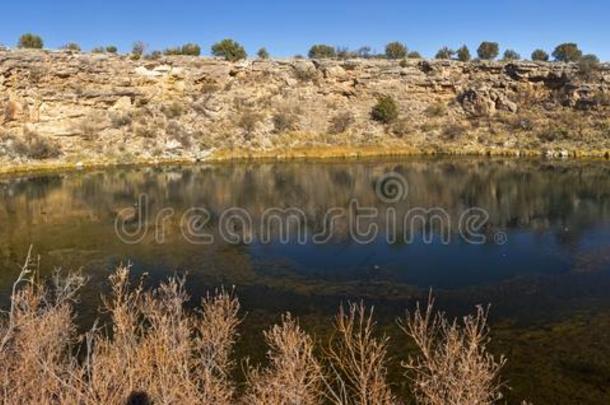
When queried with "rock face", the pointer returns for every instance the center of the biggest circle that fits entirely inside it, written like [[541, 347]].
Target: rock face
[[111, 107]]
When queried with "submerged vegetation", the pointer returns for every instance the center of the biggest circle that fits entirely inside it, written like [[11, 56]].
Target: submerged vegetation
[[155, 350]]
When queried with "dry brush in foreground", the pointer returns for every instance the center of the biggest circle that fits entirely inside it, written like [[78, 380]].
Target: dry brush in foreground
[[154, 350]]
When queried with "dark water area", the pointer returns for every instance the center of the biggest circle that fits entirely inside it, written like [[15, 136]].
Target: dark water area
[[541, 257]]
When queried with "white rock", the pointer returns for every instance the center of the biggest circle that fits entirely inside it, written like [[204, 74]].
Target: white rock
[[142, 71], [122, 104]]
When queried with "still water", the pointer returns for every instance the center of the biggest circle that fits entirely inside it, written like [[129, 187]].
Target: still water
[[540, 253]]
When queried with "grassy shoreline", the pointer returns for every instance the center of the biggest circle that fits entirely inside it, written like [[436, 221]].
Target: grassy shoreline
[[286, 154]]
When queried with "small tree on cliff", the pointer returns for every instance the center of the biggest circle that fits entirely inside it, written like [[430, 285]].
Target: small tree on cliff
[[30, 41], [509, 55], [229, 49], [263, 53], [587, 66], [138, 49], [385, 111], [190, 49], [445, 53], [488, 50], [364, 52], [72, 46], [540, 55], [395, 50], [111, 49], [463, 54], [321, 51], [567, 52]]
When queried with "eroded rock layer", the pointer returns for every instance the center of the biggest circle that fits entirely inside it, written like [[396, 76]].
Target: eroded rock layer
[[71, 107]]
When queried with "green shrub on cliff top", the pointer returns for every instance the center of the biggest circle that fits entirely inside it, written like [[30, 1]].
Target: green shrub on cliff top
[[262, 53], [30, 41], [540, 55], [385, 111], [321, 51], [72, 46], [191, 49], [588, 65], [567, 52], [488, 50], [445, 53], [186, 49], [229, 49], [509, 55], [463, 54], [395, 50]]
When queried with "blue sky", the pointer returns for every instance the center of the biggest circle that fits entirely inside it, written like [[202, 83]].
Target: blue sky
[[290, 27]]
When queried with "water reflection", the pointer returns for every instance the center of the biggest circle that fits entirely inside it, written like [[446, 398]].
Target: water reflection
[[556, 259], [556, 216]]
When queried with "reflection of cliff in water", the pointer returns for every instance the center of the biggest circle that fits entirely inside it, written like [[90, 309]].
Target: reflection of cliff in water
[[517, 194]]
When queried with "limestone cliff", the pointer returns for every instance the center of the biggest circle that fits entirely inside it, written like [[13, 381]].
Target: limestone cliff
[[71, 107]]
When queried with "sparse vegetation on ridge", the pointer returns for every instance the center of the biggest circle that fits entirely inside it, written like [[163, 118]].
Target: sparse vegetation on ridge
[[189, 49], [31, 41], [233, 51], [229, 50], [568, 52], [540, 55], [445, 53], [488, 50], [463, 54], [263, 53], [395, 50], [322, 51], [510, 55]]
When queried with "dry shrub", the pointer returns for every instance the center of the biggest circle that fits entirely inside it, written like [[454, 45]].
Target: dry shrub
[[341, 122], [37, 73], [248, 121], [37, 338], [304, 74], [554, 133], [208, 87], [357, 360], [454, 131], [143, 130], [35, 146], [294, 375], [601, 98], [120, 119], [436, 110], [402, 127], [517, 122], [158, 352], [176, 131], [11, 110], [159, 349], [453, 365], [90, 126], [173, 109], [285, 121]]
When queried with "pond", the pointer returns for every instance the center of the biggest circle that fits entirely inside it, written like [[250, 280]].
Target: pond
[[529, 237]]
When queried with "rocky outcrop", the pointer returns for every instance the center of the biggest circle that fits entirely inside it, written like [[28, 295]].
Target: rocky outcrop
[[101, 106]]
